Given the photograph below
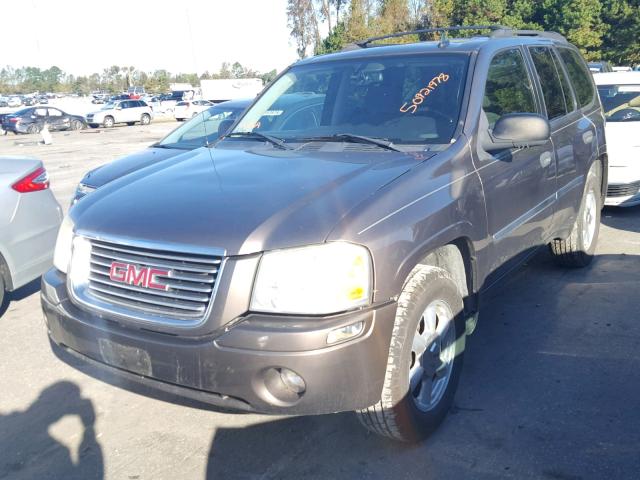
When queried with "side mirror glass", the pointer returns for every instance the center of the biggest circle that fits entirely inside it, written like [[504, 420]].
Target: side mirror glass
[[518, 130]]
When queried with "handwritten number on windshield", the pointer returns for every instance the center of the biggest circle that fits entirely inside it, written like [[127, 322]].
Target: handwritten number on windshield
[[424, 93]]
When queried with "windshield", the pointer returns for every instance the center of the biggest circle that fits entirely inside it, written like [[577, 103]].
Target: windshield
[[403, 99], [200, 130], [621, 103], [108, 106]]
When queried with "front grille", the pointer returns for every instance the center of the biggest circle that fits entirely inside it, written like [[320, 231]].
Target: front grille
[[623, 190], [191, 281]]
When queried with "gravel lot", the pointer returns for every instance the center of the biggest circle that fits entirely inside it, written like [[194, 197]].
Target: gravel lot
[[551, 386]]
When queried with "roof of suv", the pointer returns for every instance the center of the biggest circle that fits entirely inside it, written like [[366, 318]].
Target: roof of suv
[[498, 39]]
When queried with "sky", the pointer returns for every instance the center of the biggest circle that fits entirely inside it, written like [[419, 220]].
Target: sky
[[181, 36]]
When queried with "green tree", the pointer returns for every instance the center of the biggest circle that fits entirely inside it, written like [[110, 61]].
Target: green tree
[[621, 39], [579, 20]]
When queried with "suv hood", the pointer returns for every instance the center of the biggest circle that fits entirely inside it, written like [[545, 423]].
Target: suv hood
[[240, 201]]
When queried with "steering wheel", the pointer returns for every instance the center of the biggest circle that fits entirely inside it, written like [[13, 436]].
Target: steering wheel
[[625, 115]]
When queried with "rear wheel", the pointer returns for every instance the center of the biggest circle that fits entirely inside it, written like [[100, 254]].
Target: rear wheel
[[145, 119], [32, 129], [77, 125], [131, 123], [108, 122], [425, 359], [578, 248]]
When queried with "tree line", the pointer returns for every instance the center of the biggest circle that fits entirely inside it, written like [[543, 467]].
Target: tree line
[[601, 29], [113, 79]]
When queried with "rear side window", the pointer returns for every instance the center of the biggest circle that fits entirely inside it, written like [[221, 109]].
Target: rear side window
[[549, 82], [508, 88], [579, 75]]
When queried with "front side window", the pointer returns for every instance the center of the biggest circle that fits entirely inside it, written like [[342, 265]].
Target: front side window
[[549, 82], [508, 88], [579, 75], [411, 100], [621, 103]]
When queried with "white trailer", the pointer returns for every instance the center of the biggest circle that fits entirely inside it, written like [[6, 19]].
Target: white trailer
[[230, 89]]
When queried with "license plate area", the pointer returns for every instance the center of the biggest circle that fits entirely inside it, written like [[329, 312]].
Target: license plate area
[[127, 358]]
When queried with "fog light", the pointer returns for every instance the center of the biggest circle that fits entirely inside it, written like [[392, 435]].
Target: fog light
[[292, 381], [344, 333]]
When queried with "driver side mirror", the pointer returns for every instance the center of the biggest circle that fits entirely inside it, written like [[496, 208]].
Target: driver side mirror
[[518, 130]]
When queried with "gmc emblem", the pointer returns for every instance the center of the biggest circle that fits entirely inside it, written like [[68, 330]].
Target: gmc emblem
[[137, 276]]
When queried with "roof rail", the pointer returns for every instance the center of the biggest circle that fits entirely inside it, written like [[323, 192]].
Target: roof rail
[[441, 30], [510, 32]]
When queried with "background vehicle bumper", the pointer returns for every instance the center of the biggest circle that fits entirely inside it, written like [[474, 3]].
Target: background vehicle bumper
[[234, 369], [624, 186]]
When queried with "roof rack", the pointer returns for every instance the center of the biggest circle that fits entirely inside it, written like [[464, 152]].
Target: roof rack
[[441, 30], [497, 31]]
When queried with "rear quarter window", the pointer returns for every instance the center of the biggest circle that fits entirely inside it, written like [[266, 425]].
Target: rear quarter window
[[579, 76]]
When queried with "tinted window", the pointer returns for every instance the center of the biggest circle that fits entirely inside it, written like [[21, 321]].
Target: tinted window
[[549, 81], [508, 88], [621, 103], [406, 99], [579, 75], [54, 112], [570, 102]]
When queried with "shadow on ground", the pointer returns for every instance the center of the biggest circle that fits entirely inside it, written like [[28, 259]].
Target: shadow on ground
[[31, 451], [20, 294]]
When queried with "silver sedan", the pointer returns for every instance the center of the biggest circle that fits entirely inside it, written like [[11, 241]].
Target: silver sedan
[[29, 220]]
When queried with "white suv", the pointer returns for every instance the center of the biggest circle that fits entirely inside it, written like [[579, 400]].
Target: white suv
[[121, 111]]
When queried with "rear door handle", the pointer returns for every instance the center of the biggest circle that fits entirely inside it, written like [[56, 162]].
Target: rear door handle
[[587, 137], [545, 159]]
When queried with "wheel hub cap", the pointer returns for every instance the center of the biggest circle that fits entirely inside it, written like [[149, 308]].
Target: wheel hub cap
[[432, 355]]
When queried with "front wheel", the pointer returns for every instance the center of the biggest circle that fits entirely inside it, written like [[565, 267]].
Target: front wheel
[[577, 249], [145, 119], [108, 122], [425, 359]]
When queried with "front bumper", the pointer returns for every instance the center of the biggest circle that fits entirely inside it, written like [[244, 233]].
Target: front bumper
[[624, 186], [235, 369]]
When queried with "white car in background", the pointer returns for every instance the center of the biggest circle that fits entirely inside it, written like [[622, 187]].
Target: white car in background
[[620, 96], [29, 221], [190, 108], [121, 111], [14, 101]]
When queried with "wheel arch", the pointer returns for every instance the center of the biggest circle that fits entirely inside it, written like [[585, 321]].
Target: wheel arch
[[457, 256]]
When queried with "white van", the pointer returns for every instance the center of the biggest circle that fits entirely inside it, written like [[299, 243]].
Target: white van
[[620, 96]]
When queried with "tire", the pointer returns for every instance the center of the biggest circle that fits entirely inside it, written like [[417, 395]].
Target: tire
[[576, 251], [33, 129], [430, 297], [145, 119], [94, 125], [131, 123], [108, 122], [2, 292], [77, 125]]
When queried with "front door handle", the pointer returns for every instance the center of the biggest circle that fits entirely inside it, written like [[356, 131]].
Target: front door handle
[[587, 137], [545, 159]]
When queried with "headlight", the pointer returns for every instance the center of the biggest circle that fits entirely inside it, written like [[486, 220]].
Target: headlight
[[62, 254], [313, 280]]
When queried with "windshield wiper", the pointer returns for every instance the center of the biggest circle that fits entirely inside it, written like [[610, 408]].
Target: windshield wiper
[[350, 137], [261, 136]]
